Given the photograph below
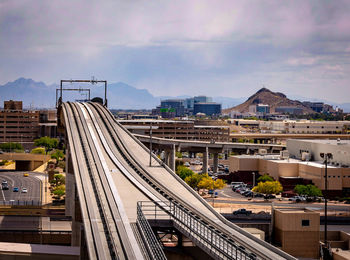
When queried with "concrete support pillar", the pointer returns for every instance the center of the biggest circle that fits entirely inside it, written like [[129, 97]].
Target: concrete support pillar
[[205, 160], [76, 233], [216, 162], [166, 157], [172, 158]]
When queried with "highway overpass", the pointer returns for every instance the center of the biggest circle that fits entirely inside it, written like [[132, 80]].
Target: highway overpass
[[110, 183]]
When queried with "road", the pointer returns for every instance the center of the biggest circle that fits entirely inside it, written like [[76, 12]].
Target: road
[[16, 179]]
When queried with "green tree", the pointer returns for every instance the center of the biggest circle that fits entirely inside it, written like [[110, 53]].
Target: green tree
[[265, 178], [58, 155], [208, 183], [309, 190], [59, 179], [184, 172], [47, 142], [178, 154], [193, 180], [268, 187]]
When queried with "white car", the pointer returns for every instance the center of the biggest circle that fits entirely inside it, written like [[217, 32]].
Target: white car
[[297, 199], [187, 164], [24, 190]]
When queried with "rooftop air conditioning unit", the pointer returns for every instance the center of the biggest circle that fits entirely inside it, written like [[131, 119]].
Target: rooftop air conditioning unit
[[305, 156], [262, 151], [284, 154]]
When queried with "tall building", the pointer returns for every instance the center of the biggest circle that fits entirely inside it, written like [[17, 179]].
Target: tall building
[[259, 109], [18, 125], [208, 108], [173, 105]]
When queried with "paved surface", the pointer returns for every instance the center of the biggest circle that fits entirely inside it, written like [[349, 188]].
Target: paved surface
[[16, 179], [226, 195]]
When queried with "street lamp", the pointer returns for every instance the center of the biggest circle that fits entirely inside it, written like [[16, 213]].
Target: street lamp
[[150, 145], [326, 157], [253, 183]]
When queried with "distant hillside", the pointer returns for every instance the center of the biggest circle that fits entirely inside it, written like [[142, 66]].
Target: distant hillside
[[39, 95], [266, 96], [123, 96]]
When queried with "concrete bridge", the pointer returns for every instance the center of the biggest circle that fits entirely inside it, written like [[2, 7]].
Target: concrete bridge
[[112, 189], [26, 161]]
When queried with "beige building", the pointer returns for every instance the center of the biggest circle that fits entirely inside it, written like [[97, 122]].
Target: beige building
[[18, 125], [176, 129], [297, 231], [338, 177]]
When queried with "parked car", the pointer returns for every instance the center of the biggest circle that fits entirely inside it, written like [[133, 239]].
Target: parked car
[[242, 212], [187, 164], [248, 194], [15, 189], [258, 195], [297, 198], [269, 196]]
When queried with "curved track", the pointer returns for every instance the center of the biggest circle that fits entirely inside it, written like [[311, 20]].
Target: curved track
[[112, 174]]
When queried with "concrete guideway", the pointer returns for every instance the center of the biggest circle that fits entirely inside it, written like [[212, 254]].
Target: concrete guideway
[[175, 185], [98, 144]]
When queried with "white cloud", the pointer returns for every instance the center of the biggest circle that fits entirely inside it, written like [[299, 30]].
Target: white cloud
[[206, 44]]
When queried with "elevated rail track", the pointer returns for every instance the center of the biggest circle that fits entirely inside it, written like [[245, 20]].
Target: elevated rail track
[[112, 175]]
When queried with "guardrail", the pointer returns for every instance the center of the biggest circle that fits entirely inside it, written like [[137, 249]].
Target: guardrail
[[20, 203], [153, 246], [215, 243]]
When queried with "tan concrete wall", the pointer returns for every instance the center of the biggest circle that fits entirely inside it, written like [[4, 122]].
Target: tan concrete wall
[[288, 169], [346, 177], [338, 178], [262, 167], [301, 244], [312, 173], [295, 239], [243, 164], [288, 221]]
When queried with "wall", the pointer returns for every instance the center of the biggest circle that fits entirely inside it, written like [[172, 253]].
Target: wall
[[295, 239]]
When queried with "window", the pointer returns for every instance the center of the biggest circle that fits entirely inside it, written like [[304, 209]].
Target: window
[[305, 222]]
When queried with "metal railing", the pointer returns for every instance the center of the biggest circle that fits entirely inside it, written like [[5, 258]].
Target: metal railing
[[20, 203], [153, 246], [212, 241]]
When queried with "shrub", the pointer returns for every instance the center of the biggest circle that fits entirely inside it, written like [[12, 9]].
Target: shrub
[[38, 150]]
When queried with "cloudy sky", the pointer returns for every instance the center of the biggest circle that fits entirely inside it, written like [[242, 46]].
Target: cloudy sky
[[218, 48]]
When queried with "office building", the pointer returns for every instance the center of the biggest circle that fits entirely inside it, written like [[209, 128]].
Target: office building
[[289, 110], [210, 109], [303, 162], [179, 129], [18, 125]]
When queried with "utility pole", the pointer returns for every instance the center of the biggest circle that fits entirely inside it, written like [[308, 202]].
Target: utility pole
[[150, 145], [326, 157]]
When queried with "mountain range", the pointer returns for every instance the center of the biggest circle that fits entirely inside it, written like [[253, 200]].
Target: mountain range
[[120, 95]]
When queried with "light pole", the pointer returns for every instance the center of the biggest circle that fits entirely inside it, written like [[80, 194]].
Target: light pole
[[253, 183], [150, 145], [326, 157]]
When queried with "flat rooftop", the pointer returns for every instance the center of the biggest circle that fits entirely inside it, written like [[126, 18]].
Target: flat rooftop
[[325, 141], [38, 249]]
